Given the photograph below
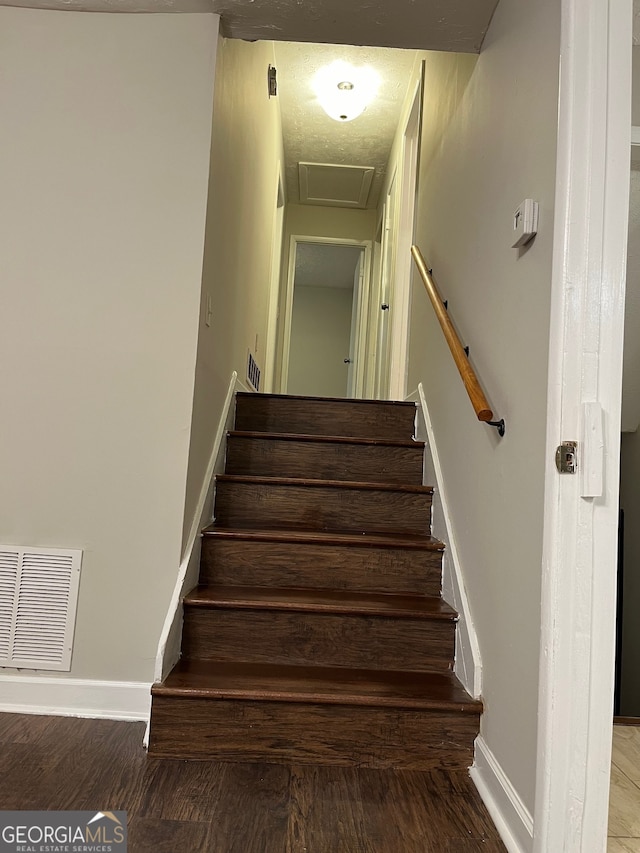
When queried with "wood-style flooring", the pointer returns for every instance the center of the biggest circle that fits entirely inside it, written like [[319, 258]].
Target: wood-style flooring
[[175, 806], [624, 796]]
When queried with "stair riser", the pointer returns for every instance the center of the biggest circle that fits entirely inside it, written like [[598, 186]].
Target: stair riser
[[322, 417], [321, 508], [276, 732], [318, 639], [358, 463], [273, 564]]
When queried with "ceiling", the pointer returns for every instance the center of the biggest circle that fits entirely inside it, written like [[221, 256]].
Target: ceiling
[[325, 265], [311, 136], [458, 25]]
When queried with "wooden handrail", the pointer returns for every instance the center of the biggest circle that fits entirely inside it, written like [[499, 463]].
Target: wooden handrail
[[467, 373]]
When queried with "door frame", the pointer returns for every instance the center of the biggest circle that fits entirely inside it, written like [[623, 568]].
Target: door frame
[[385, 289], [274, 285], [405, 228], [363, 303], [577, 651]]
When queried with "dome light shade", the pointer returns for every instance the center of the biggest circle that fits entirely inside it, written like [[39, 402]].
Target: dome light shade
[[344, 91]]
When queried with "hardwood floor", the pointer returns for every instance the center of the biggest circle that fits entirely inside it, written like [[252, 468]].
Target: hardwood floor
[[624, 796], [172, 805]]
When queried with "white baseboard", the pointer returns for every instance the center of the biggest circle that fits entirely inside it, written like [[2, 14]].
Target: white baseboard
[[512, 818], [75, 697]]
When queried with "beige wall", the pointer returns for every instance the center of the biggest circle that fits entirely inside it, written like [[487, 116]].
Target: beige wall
[[245, 152], [310, 220], [105, 159], [489, 141], [320, 337]]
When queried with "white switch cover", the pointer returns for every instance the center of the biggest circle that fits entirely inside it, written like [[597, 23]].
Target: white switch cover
[[525, 222]]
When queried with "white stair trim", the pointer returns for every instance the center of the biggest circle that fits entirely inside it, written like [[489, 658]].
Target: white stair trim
[[170, 639], [75, 697], [468, 663], [512, 818]]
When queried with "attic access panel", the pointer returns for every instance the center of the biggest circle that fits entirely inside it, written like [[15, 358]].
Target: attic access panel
[[334, 185]]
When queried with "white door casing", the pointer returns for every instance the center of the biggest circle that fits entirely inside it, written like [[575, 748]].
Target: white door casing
[[401, 290], [274, 285], [387, 266], [361, 299], [585, 366], [357, 339]]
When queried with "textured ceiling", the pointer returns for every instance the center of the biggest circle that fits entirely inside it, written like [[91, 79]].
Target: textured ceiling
[[430, 24], [458, 25], [311, 136], [323, 265]]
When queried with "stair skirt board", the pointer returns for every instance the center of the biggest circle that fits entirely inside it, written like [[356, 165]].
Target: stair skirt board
[[318, 632], [168, 652], [468, 662]]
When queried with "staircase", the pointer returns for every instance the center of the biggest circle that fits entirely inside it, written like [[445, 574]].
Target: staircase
[[317, 633]]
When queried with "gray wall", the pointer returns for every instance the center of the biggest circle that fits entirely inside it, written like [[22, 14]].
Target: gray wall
[[489, 141], [239, 234], [102, 214]]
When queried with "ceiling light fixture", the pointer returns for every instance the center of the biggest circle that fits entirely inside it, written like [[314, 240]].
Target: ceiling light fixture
[[344, 91]]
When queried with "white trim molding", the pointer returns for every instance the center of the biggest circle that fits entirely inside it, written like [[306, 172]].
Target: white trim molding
[[75, 697], [468, 664], [577, 645], [363, 301], [169, 644], [510, 815]]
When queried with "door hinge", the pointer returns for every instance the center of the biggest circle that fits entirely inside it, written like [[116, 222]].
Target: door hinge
[[567, 457]]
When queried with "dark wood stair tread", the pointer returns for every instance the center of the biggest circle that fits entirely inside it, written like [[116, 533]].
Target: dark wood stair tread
[[321, 537], [322, 685], [347, 400], [322, 601], [331, 484], [326, 439]]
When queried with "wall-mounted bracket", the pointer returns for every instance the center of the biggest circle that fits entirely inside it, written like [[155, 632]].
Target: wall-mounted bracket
[[499, 425]]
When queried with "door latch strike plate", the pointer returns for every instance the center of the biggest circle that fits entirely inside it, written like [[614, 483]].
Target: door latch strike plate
[[567, 457]]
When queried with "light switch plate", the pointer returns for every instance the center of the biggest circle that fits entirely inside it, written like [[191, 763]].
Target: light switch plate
[[525, 222]]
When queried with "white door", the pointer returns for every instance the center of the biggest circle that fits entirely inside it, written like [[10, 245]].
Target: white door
[[585, 378]]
